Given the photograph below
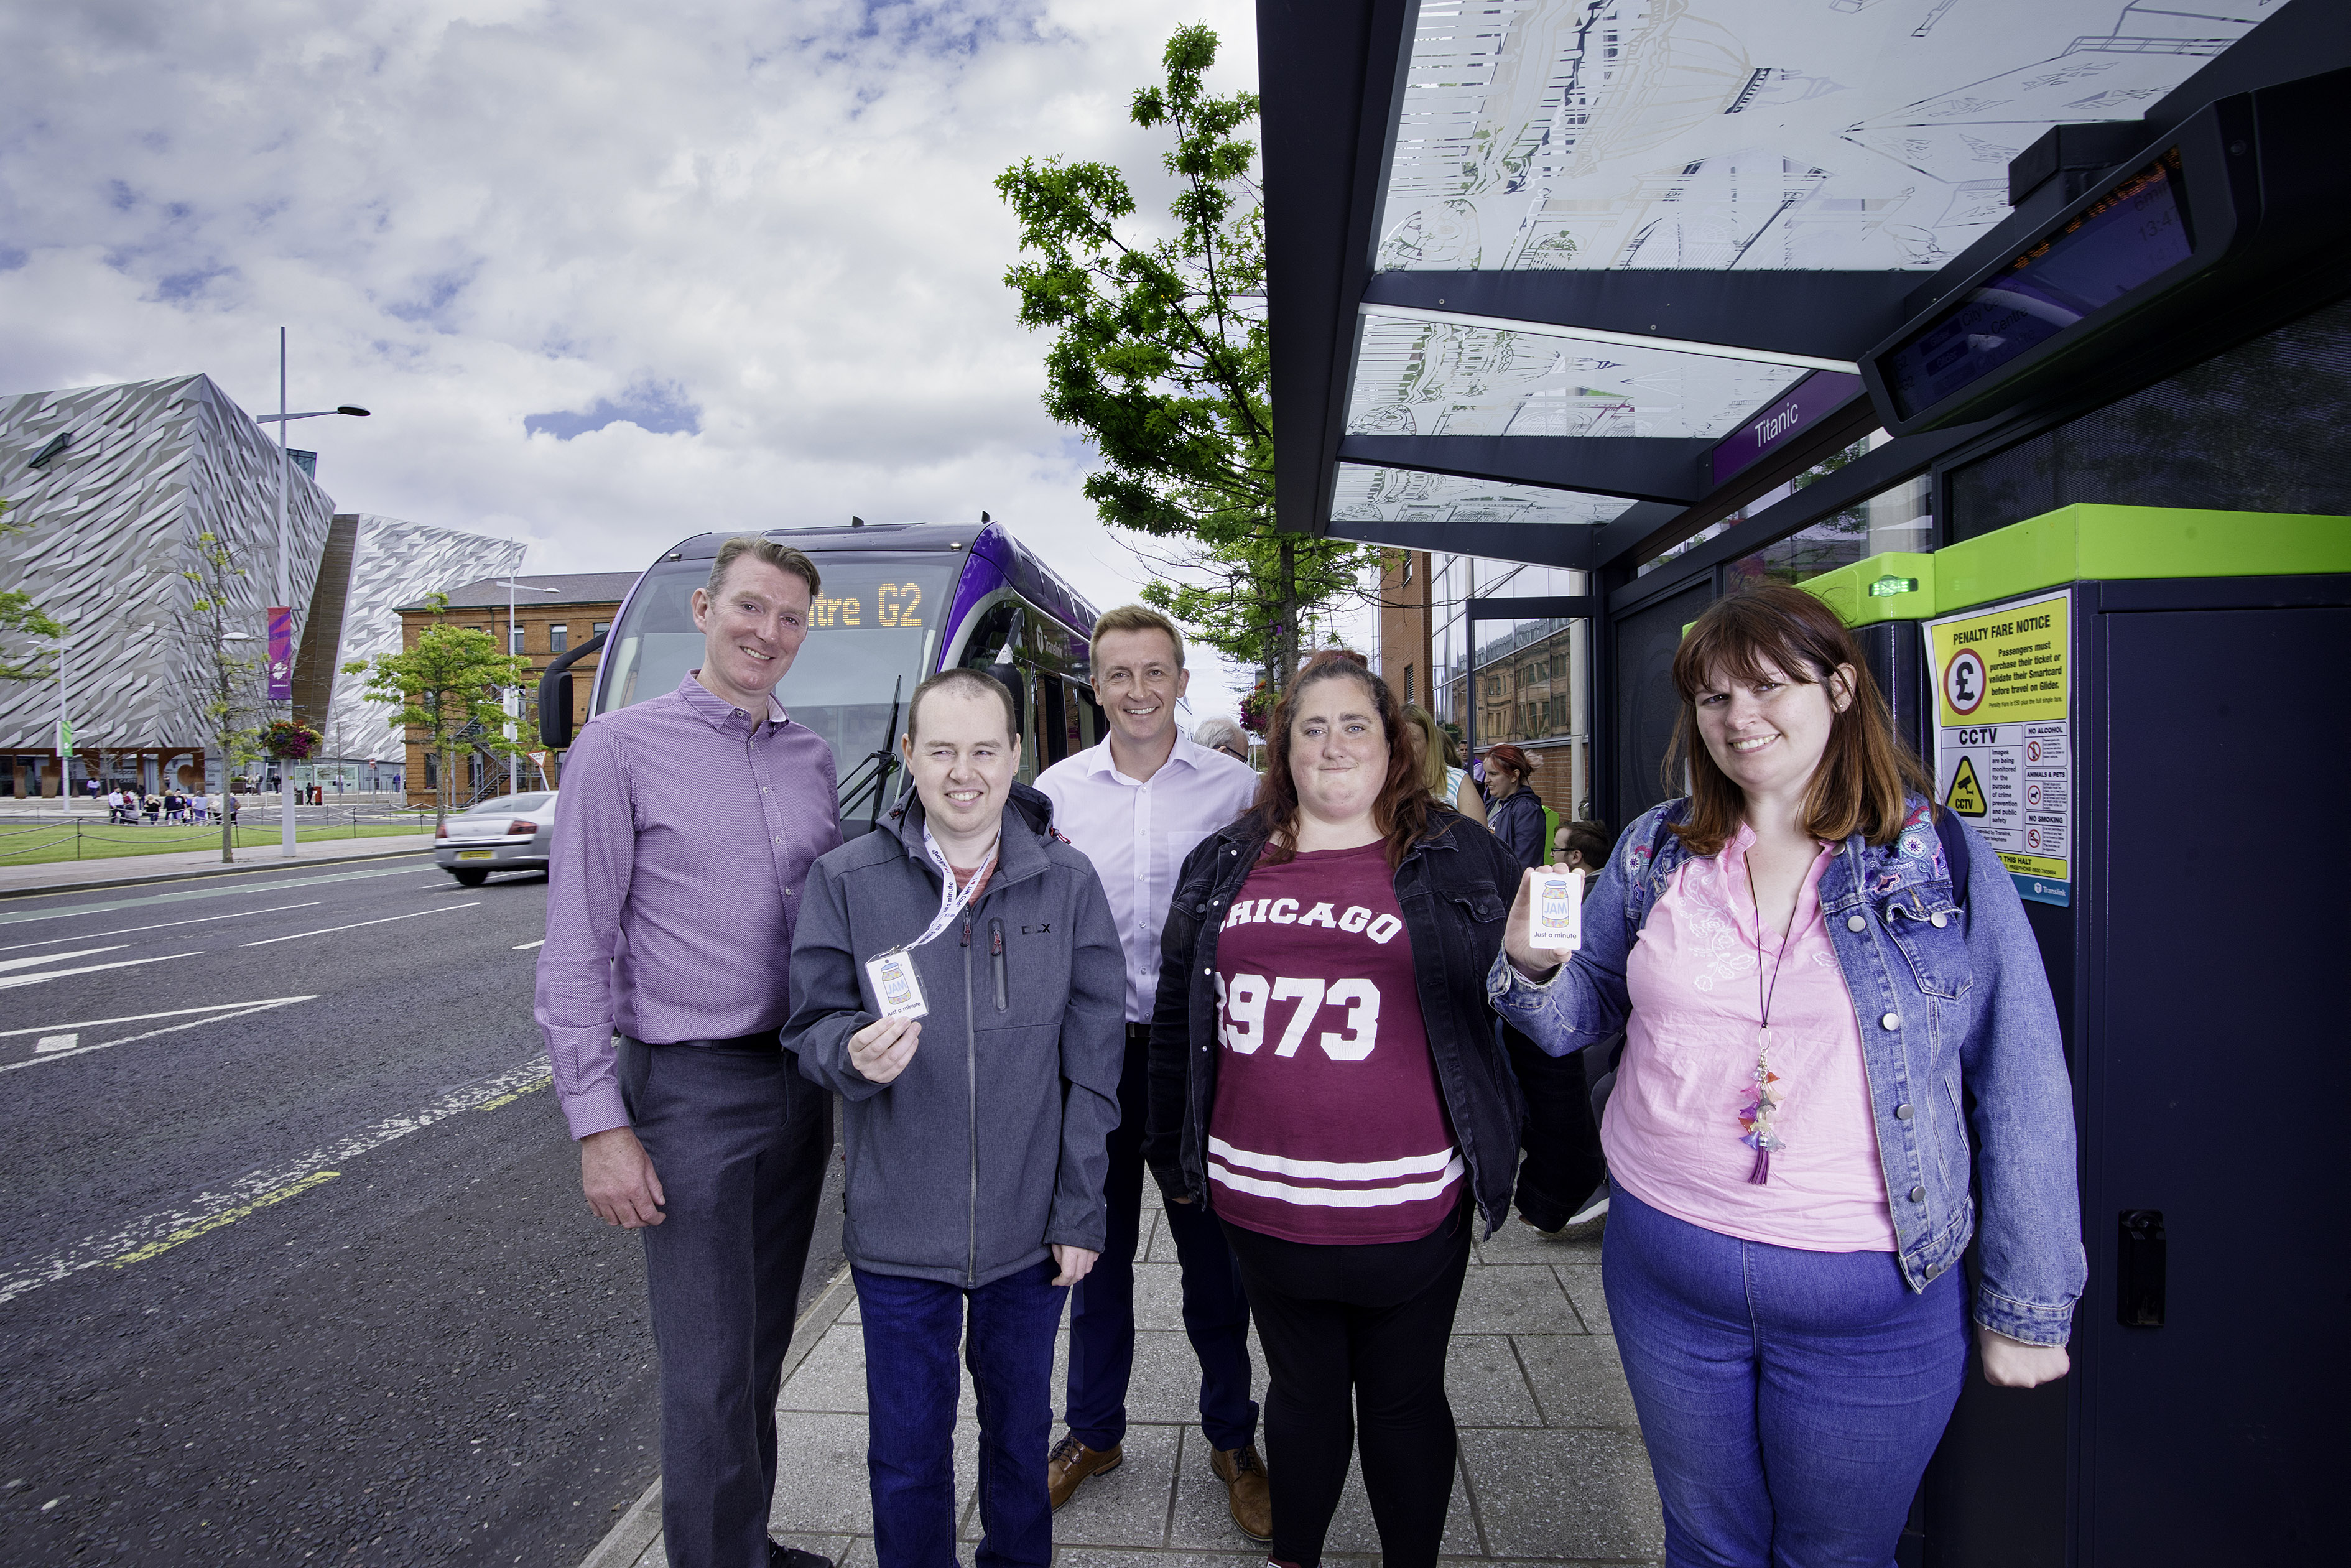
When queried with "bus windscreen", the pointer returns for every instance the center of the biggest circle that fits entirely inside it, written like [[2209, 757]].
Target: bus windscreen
[[872, 631]]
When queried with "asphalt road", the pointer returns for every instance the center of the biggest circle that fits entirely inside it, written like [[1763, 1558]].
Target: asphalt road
[[298, 1268]]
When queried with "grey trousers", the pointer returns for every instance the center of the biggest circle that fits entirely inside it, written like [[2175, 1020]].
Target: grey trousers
[[738, 1140]]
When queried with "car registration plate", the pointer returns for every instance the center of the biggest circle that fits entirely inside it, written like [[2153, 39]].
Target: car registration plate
[[477, 854]]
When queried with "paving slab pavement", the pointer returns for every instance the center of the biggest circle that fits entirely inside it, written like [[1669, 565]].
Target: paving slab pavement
[[1553, 1469], [131, 871]]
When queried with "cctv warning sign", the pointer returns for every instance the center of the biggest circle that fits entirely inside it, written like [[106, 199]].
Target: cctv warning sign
[[2004, 736]]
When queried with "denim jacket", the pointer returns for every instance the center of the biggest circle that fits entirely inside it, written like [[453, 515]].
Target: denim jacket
[[1958, 1032]]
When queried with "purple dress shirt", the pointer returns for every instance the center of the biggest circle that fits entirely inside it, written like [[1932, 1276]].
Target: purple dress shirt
[[662, 921]]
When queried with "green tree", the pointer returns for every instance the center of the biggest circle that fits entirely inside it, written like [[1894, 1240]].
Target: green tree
[[447, 691], [228, 689], [1160, 356], [20, 616]]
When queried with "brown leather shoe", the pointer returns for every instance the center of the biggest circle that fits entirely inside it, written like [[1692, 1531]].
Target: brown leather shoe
[[1071, 1462], [1246, 1491]]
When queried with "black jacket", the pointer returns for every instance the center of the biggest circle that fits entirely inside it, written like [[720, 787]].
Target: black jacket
[[1455, 887], [1517, 819]]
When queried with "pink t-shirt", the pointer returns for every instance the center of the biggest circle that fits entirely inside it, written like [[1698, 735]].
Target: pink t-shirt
[[1673, 1132], [1328, 1126]]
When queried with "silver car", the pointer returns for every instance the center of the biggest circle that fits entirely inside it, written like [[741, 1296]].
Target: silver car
[[507, 832]]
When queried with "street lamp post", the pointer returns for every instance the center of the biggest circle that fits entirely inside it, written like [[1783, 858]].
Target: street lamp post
[[285, 567], [514, 694]]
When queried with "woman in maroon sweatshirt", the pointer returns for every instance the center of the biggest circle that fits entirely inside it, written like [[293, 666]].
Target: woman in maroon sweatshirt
[[1324, 1078]]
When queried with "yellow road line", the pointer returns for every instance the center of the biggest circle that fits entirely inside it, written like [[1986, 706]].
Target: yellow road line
[[530, 1088], [225, 1216]]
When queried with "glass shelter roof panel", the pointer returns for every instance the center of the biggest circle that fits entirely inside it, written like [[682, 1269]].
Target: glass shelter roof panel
[[1366, 494], [1714, 134], [1420, 377]]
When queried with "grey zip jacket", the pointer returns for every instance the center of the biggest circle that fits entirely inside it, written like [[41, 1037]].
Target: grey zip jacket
[[991, 1145]]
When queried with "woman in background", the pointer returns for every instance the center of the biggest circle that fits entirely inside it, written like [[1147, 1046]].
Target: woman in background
[[1514, 811], [1440, 762]]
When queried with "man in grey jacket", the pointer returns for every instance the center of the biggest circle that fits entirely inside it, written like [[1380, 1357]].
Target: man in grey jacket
[[958, 980]]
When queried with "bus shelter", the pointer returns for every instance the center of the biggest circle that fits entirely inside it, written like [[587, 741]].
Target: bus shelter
[[2022, 334]]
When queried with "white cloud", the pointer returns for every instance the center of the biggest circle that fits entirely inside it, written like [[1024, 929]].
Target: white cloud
[[772, 227]]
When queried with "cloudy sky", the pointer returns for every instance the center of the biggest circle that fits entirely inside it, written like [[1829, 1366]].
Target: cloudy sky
[[608, 274]]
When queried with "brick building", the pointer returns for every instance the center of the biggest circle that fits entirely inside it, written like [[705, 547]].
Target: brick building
[[553, 615]]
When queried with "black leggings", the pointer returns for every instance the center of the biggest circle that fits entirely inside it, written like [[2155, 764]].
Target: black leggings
[[1371, 1322]]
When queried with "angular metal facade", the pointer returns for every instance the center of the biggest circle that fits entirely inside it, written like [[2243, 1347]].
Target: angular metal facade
[[112, 524], [395, 563]]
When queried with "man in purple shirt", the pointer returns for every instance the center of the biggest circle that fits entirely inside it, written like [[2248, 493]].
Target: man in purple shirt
[[667, 926]]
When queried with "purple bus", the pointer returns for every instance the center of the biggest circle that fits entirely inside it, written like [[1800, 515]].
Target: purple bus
[[900, 601]]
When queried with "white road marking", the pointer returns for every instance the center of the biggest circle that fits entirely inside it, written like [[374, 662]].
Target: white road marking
[[330, 930], [244, 1009], [527, 947], [142, 1018], [60, 957], [56, 1042], [235, 886], [12, 981], [199, 920], [143, 1237]]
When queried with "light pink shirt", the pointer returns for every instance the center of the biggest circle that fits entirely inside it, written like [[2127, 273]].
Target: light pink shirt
[[1672, 1131], [1137, 833]]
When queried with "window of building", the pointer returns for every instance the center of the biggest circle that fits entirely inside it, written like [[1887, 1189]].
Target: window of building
[[598, 628], [1409, 694], [514, 636], [558, 637]]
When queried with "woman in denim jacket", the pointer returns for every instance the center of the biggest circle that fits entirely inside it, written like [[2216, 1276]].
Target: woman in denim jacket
[[1815, 1020]]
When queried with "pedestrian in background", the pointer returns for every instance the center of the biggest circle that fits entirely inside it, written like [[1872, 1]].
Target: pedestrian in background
[[1562, 1191], [977, 1146], [1134, 805], [1440, 763], [1223, 735], [681, 857], [1813, 1001], [1324, 1081], [1514, 811]]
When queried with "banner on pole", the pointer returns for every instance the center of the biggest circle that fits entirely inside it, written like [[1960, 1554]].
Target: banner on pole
[[281, 654]]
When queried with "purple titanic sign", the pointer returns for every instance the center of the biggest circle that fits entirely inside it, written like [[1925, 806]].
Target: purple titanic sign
[[1807, 400]]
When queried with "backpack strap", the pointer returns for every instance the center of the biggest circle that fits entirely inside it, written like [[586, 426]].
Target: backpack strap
[[1955, 853]]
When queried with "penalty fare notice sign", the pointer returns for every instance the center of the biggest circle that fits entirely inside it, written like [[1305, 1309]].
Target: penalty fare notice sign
[[2004, 736]]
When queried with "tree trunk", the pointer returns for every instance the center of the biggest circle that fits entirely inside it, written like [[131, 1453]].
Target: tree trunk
[[1286, 629]]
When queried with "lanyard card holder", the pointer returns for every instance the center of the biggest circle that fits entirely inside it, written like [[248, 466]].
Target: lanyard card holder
[[896, 987]]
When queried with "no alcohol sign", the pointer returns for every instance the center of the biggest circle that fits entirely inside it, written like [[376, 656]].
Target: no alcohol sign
[[2003, 736]]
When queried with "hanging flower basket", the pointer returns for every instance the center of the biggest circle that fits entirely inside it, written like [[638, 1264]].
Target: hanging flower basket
[[1256, 707], [288, 740]]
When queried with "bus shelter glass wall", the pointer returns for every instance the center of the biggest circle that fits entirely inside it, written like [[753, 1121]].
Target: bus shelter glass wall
[[1526, 680]]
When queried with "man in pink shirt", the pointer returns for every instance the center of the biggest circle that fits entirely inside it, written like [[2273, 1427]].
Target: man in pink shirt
[[1136, 805], [682, 838]]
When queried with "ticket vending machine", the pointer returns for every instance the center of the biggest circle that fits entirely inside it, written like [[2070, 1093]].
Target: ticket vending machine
[[2147, 713]]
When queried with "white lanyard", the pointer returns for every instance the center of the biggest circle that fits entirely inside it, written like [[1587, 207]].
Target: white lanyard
[[953, 899]]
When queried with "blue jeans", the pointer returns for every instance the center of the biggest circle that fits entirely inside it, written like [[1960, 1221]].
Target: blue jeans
[[1790, 1400], [911, 1388], [1102, 1314]]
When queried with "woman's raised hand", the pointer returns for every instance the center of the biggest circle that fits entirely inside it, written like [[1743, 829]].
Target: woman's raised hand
[[1518, 933]]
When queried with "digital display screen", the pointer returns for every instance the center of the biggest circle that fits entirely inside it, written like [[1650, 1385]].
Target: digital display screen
[[2131, 234]]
